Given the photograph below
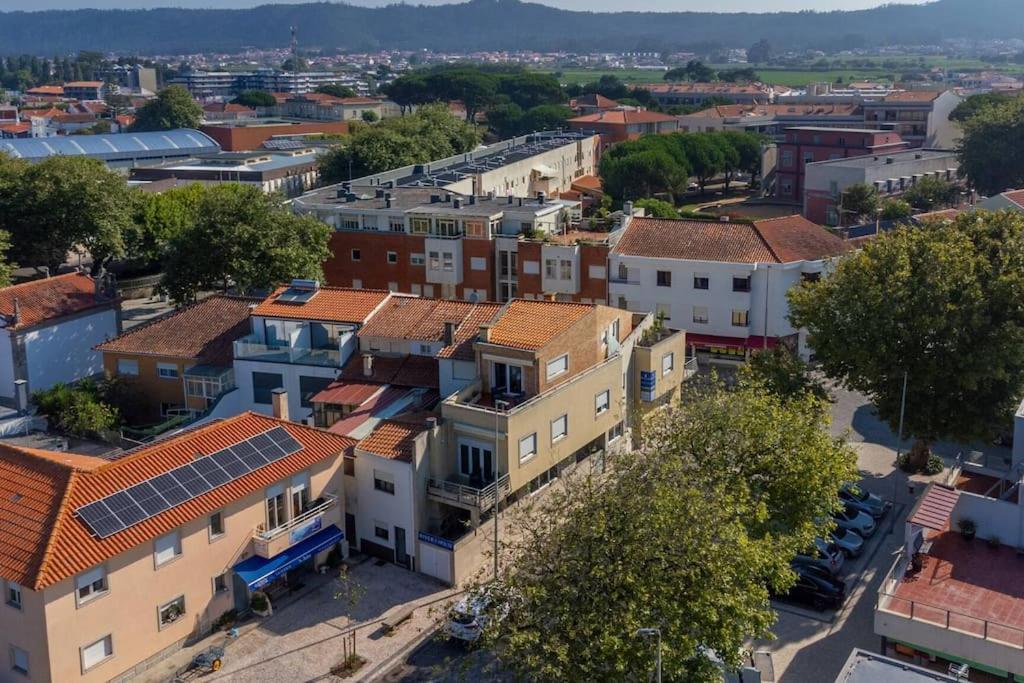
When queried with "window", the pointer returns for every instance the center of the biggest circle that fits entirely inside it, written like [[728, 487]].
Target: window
[[420, 225], [700, 315], [527, 447], [167, 548], [741, 284], [96, 653], [478, 263], [396, 224], [475, 228], [310, 387], [90, 584], [382, 481], [167, 370], [508, 379], [275, 506], [668, 363], [426, 350], [739, 318], [350, 466], [263, 385], [127, 367], [664, 278], [808, 157], [216, 524], [787, 157], [476, 461], [565, 268], [172, 611], [300, 494], [350, 224], [357, 255], [447, 227], [381, 532], [559, 428], [417, 259], [663, 310], [597, 272], [557, 366], [392, 257], [19, 660], [810, 277], [12, 594], [220, 583], [357, 283], [700, 281], [615, 432], [435, 260], [448, 260], [601, 402], [551, 268]]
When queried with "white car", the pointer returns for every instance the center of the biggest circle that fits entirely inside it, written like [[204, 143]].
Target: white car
[[470, 616], [851, 519]]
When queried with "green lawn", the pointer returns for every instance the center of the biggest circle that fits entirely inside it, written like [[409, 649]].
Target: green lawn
[[581, 76]]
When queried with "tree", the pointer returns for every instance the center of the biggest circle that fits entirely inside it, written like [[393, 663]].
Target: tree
[[336, 90], [693, 71], [690, 534], [896, 210], [77, 410], [657, 208], [859, 202], [607, 86], [931, 193], [531, 89], [6, 267], [172, 108], [255, 98], [937, 304], [974, 104], [243, 238], [781, 372], [369, 116], [642, 174], [704, 155], [730, 156], [546, 117], [760, 52], [158, 218], [748, 148], [746, 75], [53, 206], [294, 64], [991, 150]]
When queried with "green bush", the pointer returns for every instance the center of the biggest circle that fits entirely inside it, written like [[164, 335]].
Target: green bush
[[77, 410], [935, 465]]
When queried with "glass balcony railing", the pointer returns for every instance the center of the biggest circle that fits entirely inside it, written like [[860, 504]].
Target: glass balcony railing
[[250, 348]]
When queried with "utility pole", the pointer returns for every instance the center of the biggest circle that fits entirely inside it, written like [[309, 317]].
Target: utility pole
[[502, 406], [899, 446]]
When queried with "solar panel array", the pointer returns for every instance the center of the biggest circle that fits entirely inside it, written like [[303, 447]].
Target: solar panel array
[[123, 509]]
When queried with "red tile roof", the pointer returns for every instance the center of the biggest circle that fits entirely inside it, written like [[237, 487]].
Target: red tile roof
[[403, 317], [716, 88], [532, 324], [912, 96], [48, 299], [46, 90], [776, 240], [16, 128], [42, 542], [624, 117], [329, 304], [1015, 196], [203, 331], [467, 332], [757, 110], [404, 371], [587, 182], [347, 393], [393, 439], [83, 84]]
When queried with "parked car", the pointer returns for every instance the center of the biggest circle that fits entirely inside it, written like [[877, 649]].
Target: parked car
[[470, 616], [816, 587], [850, 542], [855, 496], [821, 554], [852, 519]]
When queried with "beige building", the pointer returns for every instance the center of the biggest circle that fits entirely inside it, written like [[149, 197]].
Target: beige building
[[110, 565]]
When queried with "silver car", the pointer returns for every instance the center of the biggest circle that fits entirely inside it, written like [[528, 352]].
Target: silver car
[[852, 519], [828, 556], [850, 542], [471, 615]]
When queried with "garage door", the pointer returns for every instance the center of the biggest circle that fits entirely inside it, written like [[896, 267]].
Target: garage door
[[436, 562]]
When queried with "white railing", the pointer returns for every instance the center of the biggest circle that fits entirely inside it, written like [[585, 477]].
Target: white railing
[[481, 498], [315, 511], [690, 368], [249, 348]]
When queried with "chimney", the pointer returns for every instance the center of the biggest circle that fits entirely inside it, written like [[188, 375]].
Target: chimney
[[627, 208], [510, 199], [21, 395], [16, 317], [540, 198], [279, 399], [472, 199], [387, 202], [449, 333], [367, 365], [485, 333], [431, 423]]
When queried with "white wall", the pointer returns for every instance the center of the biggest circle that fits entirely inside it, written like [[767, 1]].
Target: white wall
[[454, 375], [290, 374], [64, 352], [6, 365], [373, 506]]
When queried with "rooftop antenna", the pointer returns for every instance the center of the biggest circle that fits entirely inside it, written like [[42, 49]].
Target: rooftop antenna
[[295, 49]]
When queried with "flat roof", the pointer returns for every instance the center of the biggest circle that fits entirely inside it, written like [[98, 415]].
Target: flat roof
[[868, 160], [108, 146], [275, 162], [826, 129], [867, 667]]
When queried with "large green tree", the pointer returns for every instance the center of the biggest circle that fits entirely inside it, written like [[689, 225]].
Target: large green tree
[[255, 98], [172, 108], [689, 534], [991, 150], [53, 206], [244, 239], [336, 90], [974, 104], [859, 202], [705, 155], [928, 194], [938, 304]]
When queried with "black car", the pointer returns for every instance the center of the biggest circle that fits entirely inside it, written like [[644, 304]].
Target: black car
[[816, 587]]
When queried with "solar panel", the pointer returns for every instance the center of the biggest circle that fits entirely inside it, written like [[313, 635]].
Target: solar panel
[[123, 509]]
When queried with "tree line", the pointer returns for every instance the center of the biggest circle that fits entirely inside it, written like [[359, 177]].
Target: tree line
[[663, 164], [226, 236]]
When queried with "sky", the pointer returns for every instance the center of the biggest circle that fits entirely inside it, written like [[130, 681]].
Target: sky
[[592, 5]]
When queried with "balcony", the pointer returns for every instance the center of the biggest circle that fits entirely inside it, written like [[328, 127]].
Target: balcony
[[465, 495], [251, 348], [268, 543]]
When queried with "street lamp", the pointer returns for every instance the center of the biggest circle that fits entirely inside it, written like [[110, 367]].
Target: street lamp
[[502, 406], [648, 632], [899, 446]]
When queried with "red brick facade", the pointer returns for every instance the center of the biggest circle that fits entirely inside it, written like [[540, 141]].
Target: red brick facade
[[243, 138]]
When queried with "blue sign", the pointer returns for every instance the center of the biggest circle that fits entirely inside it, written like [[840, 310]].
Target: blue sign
[[306, 530], [436, 540], [648, 380]]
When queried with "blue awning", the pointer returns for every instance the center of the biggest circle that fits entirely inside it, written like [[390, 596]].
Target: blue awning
[[257, 571]]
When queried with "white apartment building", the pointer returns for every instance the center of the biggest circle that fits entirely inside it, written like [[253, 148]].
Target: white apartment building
[[724, 282]]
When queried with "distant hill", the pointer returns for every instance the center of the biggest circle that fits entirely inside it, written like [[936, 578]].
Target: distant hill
[[494, 25]]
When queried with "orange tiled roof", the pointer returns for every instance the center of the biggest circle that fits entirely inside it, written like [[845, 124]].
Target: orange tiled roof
[[49, 298], [393, 439], [204, 331], [330, 304], [912, 96], [532, 324], [1015, 196], [403, 317], [403, 371], [719, 88], [15, 128], [42, 542], [46, 90], [588, 182], [726, 111], [794, 238], [83, 84], [467, 332], [624, 117]]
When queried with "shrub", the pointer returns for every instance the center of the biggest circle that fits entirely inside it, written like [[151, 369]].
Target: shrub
[[259, 602], [935, 465]]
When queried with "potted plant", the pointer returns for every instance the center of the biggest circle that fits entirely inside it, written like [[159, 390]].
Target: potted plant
[[967, 529], [260, 604]]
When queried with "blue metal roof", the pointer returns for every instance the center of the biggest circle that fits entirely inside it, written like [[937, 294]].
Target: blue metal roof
[[258, 571], [111, 146]]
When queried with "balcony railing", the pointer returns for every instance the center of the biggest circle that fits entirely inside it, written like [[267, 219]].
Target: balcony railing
[[270, 542], [249, 348], [455, 492], [690, 368]]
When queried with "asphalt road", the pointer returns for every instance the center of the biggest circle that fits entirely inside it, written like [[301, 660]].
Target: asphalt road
[[446, 661]]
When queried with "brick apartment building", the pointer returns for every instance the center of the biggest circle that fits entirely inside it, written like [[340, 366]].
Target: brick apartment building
[[806, 144]]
